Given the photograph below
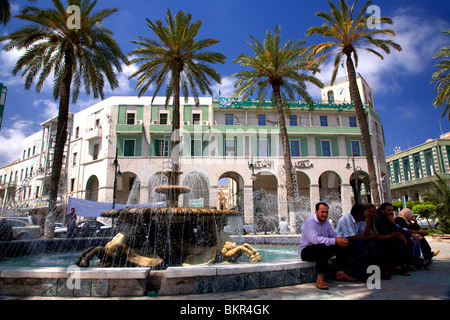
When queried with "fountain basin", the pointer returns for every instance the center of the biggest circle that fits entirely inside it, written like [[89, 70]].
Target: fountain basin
[[122, 282]]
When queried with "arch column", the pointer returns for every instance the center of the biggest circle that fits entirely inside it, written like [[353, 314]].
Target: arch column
[[314, 192], [144, 193], [346, 198], [248, 205], [213, 190]]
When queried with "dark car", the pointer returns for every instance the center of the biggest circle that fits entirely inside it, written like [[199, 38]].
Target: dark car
[[94, 228]]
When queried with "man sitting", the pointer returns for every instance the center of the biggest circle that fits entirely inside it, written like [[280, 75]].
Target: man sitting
[[319, 242]]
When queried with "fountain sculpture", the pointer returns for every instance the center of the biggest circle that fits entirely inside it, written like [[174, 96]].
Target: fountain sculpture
[[170, 236]]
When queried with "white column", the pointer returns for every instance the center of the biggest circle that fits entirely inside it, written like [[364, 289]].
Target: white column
[[314, 192], [248, 205], [346, 198], [212, 197]]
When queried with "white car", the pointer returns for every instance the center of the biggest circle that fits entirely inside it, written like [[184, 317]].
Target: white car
[[425, 223], [60, 230]]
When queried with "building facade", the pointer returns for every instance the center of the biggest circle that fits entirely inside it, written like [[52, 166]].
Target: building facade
[[222, 139], [412, 171]]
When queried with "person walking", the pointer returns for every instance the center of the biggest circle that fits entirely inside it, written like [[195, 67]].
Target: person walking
[[71, 222]]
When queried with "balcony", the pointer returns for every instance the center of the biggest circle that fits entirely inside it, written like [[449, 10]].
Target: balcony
[[93, 133], [130, 128]]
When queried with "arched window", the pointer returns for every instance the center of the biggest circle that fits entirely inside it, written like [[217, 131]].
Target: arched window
[[330, 96]]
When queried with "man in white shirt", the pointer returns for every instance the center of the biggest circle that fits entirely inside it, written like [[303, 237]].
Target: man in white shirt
[[284, 226]]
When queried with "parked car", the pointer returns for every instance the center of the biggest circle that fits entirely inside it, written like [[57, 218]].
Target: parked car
[[94, 228], [60, 230], [26, 219], [21, 230], [425, 223]]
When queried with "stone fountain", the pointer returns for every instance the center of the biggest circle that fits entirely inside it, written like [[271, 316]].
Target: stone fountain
[[170, 236]]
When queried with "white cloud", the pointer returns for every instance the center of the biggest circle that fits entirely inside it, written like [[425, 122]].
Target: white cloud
[[419, 38], [50, 108], [226, 88], [126, 87], [11, 140]]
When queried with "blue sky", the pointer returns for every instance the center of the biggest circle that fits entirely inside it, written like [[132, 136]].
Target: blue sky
[[401, 84]]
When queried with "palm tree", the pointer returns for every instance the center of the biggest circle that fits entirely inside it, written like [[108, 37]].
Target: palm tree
[[278, 70], [5, 11], [178, 61], [347, 36], [440, 197], [88, 55], [442, 76]]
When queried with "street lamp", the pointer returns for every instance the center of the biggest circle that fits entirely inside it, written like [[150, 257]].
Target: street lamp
[[117, 173], [358, 177], [252, 166], [253, 178]]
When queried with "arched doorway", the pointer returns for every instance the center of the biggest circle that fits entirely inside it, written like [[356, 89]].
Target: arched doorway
[[92, 188], [230, 193], [198, 182], [330, 192], [124, 185], [155, 180], [360, 183], [265, 202]]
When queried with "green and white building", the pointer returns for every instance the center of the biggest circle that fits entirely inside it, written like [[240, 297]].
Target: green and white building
[[412, 171], [221, 139]]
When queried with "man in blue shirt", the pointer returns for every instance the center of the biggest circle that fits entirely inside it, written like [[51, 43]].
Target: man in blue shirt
[[319, 242], [355, 227]]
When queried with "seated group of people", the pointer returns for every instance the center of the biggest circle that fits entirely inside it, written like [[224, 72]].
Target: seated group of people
[[367, 236]]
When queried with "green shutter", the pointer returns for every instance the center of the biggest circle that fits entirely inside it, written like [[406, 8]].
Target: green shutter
[[155, 113], [304, 146], [139, 112], [318, 147], [334, 147], [122, 114]]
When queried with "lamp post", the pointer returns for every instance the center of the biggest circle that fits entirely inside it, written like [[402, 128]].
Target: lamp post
[[357, 177], [253, 178], [117, 173]]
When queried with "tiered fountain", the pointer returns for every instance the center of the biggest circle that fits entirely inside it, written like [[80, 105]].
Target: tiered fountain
[[169, 236]]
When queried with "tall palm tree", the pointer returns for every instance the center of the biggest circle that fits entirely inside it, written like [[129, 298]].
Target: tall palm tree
[[442, 76], [88, 54], [178, 62], [348, 35], [279, 70]]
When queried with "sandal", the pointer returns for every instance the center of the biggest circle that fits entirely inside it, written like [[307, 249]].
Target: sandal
[[401, 272], [320, 284], [347, 278]]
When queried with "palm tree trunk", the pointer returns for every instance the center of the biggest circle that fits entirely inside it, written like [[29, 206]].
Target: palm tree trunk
[[61, 138], [175, 152], [286, 158], [364, 127]]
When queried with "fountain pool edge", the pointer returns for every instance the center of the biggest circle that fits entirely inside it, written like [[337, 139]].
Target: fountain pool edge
[[127, 282]]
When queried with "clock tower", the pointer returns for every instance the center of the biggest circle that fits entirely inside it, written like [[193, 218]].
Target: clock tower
[[340, 91]]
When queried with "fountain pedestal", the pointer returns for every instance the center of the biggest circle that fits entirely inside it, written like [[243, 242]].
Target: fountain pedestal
[[173, 234]]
